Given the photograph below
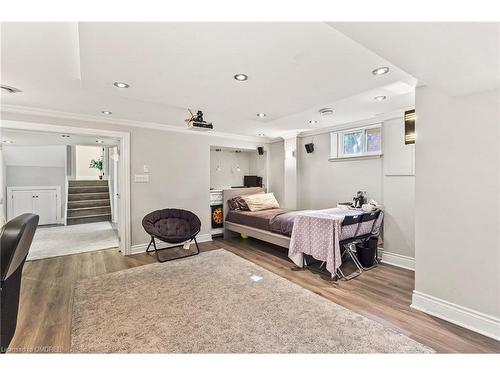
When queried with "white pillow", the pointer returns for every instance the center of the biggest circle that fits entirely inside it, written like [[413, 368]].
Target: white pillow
[[259, 202]]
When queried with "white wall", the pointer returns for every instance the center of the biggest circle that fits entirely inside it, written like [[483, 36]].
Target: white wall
[[179, 168], [291, 182], [37, 166], [35, 156], [250, 163], [277, 170], [83, 156], [228, 176], [389, 180], [457, 203], [398, 190], [258, 166], [399, 215], [324, 183]]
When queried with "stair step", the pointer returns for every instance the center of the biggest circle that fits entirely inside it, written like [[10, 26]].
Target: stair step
[[88, 203], [87, 219], [87, 189], [87, 196], [87, 211], [75, 183]]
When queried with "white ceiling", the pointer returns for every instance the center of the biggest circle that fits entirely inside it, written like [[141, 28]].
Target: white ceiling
[[291, 66], [34, 138], [294, 69], [456, 57]]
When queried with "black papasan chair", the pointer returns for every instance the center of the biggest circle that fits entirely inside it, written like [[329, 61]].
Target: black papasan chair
[[174, 226]]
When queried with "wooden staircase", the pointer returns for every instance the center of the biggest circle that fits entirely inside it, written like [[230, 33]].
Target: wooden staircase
[[88, 201]]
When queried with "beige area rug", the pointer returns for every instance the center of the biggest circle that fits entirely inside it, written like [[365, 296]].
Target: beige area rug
[[217, 302]]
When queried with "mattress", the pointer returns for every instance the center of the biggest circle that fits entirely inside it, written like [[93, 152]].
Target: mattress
[[280, 221], [256, 219]]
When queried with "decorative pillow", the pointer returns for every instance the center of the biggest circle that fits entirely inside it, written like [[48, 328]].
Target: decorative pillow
[[232, 204], [240, 203], [237, 204], [259, 202]]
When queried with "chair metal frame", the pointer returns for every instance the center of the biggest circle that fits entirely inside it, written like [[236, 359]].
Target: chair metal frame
[[156, 250], [349, 245]]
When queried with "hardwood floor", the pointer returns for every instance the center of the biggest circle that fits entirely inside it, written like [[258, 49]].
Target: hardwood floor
[[382, 294]]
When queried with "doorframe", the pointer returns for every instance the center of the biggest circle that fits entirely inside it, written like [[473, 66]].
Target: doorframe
[[124, 167]]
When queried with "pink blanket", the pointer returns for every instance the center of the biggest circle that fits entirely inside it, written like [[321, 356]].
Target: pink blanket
[[316, 234]]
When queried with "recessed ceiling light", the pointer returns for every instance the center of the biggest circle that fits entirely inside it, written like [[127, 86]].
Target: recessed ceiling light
[[262, 135], [121, 85], [380, 98], [312, 121], [106, 112], [380, 71], [7, 141], [99, 141], [261, 115], [241, 77], [65, 135], [9, 89], [326, 111]]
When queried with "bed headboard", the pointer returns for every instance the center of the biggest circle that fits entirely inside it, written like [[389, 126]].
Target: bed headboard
[[231, 193]]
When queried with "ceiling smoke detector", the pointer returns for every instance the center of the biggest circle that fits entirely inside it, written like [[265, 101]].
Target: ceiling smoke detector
[[9, 89], [326, 111]]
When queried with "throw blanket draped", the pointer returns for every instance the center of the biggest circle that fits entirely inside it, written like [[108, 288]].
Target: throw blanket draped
[[318, 235]]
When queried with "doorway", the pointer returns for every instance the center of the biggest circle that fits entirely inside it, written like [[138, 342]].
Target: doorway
[[79, 227]]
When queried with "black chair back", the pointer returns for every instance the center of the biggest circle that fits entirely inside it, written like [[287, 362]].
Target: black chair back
[[368, 216], [352, 219], [15, 241]]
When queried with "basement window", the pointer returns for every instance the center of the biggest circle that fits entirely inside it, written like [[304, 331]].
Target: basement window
[[363, 142]]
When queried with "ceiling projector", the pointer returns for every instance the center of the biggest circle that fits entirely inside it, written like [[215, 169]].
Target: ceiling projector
[[196, 122]]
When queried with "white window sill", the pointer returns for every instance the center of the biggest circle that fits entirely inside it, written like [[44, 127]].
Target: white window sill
[[351, 158]]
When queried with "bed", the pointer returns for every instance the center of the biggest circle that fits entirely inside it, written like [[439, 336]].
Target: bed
[[275, 225]]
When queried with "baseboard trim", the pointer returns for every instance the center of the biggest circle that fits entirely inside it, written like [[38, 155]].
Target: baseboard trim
[[464, 317], [397, 260], [141, 248]]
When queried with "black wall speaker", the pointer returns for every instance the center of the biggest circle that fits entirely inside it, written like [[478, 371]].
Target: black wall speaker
[[309, 147], [260, 150]]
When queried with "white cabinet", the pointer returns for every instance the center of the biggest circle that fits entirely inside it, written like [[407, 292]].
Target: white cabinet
[[44, 201], [22, 202]]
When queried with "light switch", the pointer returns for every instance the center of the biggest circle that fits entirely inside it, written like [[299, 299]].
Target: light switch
[[141, 178], [145, 169]]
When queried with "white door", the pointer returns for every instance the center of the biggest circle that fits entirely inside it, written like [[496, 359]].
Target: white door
[[22, 203], [45, 206]]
